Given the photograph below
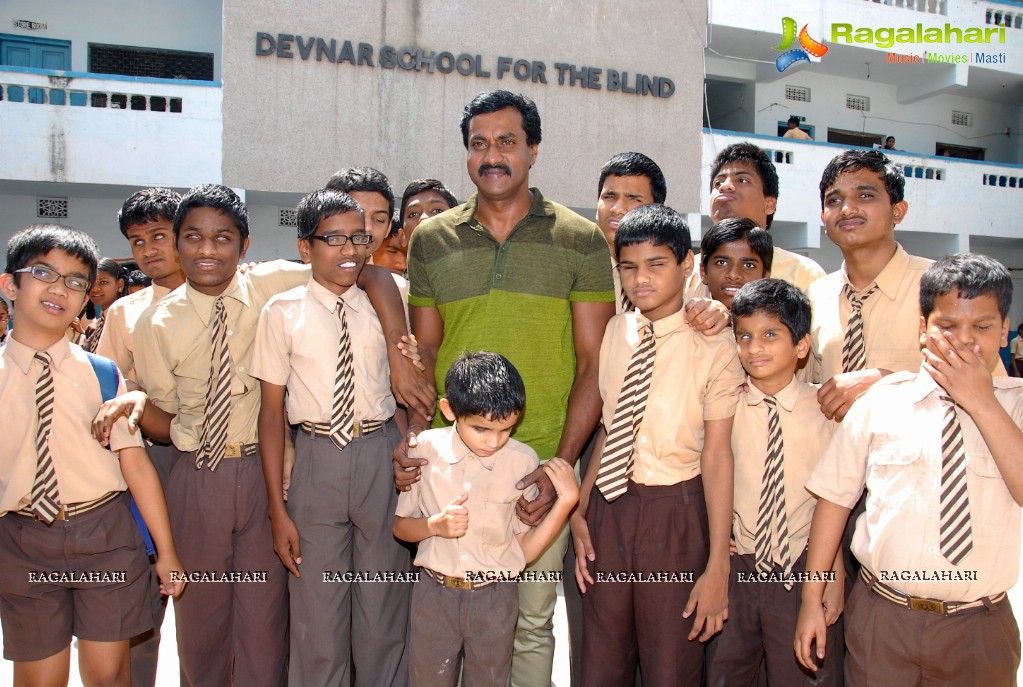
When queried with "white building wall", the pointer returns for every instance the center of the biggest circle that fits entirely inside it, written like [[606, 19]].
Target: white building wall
[[102, 145]]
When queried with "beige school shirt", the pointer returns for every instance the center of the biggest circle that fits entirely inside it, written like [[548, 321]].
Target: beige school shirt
[[805, 434], [85, 469], [116, 340], [490, 544], [695, 378], [891, 318], [297, 346], [890, 442], [173, 350]]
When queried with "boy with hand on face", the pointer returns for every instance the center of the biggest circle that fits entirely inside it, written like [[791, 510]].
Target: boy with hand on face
[[937, 451], [663, 458], [321, 347], [462, 514]]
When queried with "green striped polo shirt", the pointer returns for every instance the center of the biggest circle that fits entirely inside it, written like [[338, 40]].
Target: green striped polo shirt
[[514, 299]]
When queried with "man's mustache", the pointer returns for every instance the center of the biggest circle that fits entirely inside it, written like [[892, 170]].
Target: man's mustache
[[486, 168]]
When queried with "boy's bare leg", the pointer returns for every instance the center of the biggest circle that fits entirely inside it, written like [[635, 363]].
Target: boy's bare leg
[[104, 663], [52, 670]]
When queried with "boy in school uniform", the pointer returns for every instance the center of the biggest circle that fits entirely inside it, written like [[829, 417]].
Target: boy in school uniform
[[734, 251], [462, 514], [193, 354], [71, 557], [322, 345], [938, 453], [146, 220], [783, 435], [664, 475]]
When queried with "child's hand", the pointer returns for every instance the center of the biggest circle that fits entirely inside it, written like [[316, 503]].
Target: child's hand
[[171, 574], [287, 544], [957, 368], [837, 395], [453, 521], [834, 600], [583, 549], [410, 349], [709, 599], [562, 476], [707, 316], [130, 405], [810, 627]]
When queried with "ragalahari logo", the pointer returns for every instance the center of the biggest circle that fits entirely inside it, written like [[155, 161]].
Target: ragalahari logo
[[802, 54]]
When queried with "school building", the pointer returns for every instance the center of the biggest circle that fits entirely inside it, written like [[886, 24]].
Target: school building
[[98, 99]]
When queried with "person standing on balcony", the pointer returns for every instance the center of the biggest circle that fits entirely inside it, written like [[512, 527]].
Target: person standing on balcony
[[795, 132]]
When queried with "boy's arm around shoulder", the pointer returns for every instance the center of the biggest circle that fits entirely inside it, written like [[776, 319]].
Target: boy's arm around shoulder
[[145, 487]]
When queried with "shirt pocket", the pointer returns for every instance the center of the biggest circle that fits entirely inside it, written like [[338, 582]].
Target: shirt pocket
[[497, 517], [895, 473], [990, 500]]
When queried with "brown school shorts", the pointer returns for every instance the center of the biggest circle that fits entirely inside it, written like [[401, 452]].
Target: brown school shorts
[[87, 576]]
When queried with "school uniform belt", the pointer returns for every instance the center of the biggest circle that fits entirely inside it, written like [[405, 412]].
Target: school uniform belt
[[240, 450], [70, 510], [359, 429], [457, 582], [923, 604]]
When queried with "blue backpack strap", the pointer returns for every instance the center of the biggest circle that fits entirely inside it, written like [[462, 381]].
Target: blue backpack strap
[[109, 380]]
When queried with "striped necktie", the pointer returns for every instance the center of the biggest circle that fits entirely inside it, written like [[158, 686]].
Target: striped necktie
[[854, 352], [772, 516], [617, 460], [626, 303], [95, 331], [955, 534], [45, 494], [342, 414], [213, 441]]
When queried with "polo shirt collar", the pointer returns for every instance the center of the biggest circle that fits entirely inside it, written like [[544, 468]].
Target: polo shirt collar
[[328, 299], [204, 303], [459, 451], [786, 398], [464, 213], [890, 278], [22, 355]]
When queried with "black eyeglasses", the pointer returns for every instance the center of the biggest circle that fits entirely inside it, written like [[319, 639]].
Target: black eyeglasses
[[336, 240], [45, 274]]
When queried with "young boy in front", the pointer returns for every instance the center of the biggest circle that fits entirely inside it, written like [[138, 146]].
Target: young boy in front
[[71, 557], [652, 541], [462, 513], [938, 452], [321, 346], [734, 251], [783, 435]]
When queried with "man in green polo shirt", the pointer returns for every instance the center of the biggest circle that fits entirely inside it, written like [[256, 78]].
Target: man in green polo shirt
[[512, 272]]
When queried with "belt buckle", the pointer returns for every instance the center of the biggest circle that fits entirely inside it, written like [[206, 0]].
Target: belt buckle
[[356, 430], [233, 451], [927, 605], [61, 514], [457, 582]]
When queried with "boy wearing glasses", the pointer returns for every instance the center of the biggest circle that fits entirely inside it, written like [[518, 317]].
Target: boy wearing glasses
[[321, 347], [71, 557]]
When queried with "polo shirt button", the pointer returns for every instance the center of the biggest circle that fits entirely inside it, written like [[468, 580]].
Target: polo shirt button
[[230, 332], [649, 473], [642, 440]]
